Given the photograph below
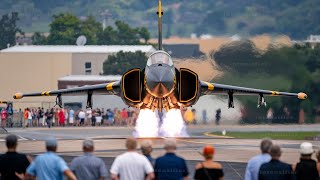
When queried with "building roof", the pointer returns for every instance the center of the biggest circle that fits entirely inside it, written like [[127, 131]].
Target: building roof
[[90, 78], [79, 49]]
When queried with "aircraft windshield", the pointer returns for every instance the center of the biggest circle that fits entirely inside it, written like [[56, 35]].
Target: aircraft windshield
[[160, 57]]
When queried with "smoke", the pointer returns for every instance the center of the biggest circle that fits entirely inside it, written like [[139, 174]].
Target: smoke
[[173, 124], [149, 124]]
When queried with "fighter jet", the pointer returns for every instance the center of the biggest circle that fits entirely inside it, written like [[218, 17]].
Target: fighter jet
[[160, 85]]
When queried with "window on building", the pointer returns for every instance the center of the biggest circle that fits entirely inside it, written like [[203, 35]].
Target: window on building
[[87, 68]]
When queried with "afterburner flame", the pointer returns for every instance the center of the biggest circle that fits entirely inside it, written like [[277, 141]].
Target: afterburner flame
[[147, 124], [173, 124]]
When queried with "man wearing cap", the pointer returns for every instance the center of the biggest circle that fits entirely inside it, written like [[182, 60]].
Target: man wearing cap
[[170, 166], [12, 162], [307, 168], [208, 169], [49, 165], [88, 166], [254, 163], [275, 169]]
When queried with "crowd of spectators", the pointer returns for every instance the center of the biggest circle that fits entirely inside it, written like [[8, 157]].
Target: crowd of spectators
[[39, 117], [134, 165]]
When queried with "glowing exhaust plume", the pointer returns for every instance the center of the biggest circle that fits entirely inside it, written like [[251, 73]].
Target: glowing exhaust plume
[[173, 124], [147, 124]]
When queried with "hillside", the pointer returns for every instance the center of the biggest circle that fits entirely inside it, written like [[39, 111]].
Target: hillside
[[295, 18]]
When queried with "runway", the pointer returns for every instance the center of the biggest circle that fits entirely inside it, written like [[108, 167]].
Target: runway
[[109, 142]]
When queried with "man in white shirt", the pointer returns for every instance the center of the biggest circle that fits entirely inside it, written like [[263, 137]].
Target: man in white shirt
[[81, 116], [131, 165]]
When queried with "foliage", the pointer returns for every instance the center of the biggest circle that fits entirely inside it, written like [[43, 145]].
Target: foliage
[[8, 30], [123, 61], [292, 69], [90, 28], [38, 39], [295, 18], [66, 28]]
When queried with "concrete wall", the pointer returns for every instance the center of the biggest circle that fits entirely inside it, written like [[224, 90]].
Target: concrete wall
[[31, 72], [79, 60]]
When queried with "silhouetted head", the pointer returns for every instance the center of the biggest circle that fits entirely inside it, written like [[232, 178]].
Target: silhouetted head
[[265, 146], [275, 152], [11, 141], [88, 145], [146, 147], [131, 144]]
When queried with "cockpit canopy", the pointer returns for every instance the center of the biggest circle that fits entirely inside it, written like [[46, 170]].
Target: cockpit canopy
[[160, 57]]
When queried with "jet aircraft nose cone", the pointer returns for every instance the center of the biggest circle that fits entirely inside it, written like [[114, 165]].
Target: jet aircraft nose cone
[[160, 80]]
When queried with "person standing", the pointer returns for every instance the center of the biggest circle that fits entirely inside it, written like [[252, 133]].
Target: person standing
[[204, 116], [88, 116], [49, 117], [88, 166], [275, 169], [3, 117], [29, 118], [131, 165], [71, 117], [94, 117], [55, 119], [306, 169], [253, 166], [218, 116], [82, 116], [270, 115], [208, 169], [40, 116], [98, 117], [12, 162], [49, 165], [9, 115], [124, 116], [61, 117], [170, 166], [188, 116], [66, 117], [20, 117], [110, 116], [25, 117], [146, 149]]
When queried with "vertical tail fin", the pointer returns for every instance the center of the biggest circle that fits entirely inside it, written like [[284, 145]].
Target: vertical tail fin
[[160, 13]]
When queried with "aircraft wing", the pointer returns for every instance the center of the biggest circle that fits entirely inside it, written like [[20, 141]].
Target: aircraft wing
[[3, 102], [112, 88], [214, 88]]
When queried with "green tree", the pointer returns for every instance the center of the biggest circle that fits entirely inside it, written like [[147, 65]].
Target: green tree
[[64, 29], [91, 28], [38, 39], [123, 61], [144, 34], [107, 36], [9, 29], [126, 34]]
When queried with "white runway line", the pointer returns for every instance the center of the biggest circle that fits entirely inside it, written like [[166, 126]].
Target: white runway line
[[22, 138]]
